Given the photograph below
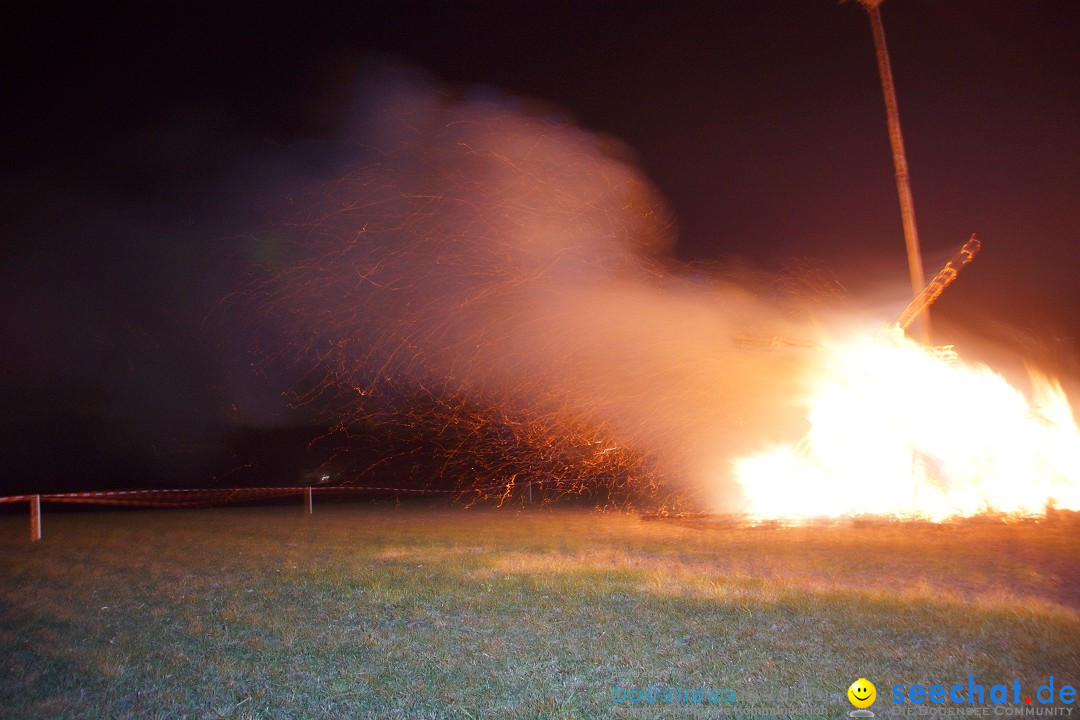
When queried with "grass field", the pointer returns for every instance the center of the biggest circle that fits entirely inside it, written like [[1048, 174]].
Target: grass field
[[376, 612]]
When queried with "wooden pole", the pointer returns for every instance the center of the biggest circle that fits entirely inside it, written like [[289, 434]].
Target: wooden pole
[[903, 183], [35, 518]]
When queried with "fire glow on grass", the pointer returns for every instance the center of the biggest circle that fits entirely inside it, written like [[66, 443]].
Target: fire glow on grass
[[900, 429]]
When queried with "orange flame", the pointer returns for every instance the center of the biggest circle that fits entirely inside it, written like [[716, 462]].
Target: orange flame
[[903, 430]]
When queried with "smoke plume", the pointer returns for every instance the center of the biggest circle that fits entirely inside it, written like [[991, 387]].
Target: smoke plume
[[494, 279]]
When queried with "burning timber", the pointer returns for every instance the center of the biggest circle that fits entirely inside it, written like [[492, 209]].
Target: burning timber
[[942, 280]]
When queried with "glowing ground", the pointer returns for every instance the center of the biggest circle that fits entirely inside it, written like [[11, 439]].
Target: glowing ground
[[365, 611]]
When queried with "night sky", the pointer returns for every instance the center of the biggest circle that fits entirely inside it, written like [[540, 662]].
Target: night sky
[[143, 144]]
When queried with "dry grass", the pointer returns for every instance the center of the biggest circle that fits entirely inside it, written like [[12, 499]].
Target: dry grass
[[373, 612]]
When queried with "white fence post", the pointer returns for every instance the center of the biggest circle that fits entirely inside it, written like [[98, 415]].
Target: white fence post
[[309, 500], [35, 518]]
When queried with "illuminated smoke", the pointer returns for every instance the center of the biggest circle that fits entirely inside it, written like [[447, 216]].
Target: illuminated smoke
[[491, 289], [498, 280]]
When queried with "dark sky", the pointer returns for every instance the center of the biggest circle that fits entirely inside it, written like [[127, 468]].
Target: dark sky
[[137, 140]]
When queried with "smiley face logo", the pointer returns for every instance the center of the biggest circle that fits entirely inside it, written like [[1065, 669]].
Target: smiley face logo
[[862, 693]]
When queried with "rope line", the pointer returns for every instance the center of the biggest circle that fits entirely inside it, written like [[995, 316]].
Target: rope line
[[201, 497]]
